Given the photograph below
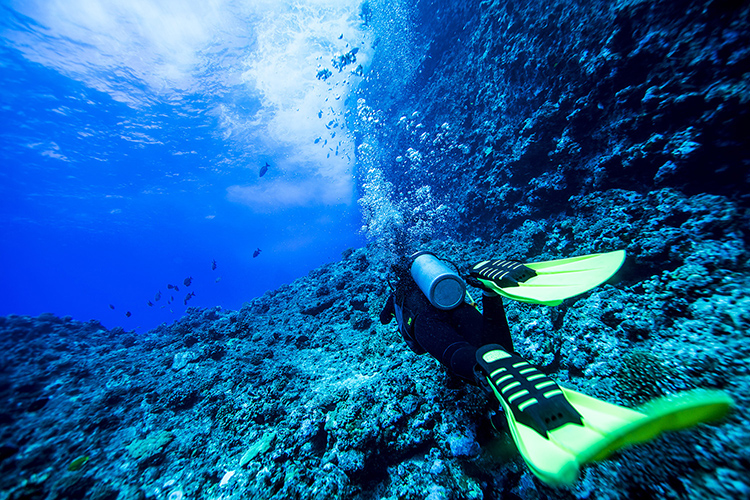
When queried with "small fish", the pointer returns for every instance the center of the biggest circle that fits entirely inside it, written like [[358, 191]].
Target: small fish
[[170, 287], [111, 306], [218, 279], [263, 170], [176, 289], [150, 304], [128, 314], [213, 265], [158, 296], [188, 280], [256, 253], [189, 296]]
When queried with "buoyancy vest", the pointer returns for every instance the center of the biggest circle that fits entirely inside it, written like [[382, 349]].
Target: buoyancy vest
[[408, 302]]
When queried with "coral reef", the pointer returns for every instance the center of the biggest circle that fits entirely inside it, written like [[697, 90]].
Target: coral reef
[[313, 405]]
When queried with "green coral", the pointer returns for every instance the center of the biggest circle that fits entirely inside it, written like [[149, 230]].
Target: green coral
[[77, 463]]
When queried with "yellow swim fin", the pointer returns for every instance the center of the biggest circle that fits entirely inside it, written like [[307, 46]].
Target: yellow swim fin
[[558, 430], [548, 282]]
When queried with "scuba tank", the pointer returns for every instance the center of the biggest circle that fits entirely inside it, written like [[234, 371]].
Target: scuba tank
[[442, 285]]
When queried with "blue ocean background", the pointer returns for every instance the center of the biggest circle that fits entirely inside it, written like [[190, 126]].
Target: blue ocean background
[[132, 135]]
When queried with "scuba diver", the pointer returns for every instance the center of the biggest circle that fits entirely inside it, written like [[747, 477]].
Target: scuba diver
[[556, 430]]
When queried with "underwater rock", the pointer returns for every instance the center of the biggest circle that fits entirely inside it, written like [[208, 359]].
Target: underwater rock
[[148, 451], [181, 359], [261, 446], [319, 307]]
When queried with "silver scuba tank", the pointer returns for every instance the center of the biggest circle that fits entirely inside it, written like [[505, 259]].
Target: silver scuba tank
[[442, 285]]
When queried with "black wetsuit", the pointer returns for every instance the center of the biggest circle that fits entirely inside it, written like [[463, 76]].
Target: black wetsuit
[[452, 337]]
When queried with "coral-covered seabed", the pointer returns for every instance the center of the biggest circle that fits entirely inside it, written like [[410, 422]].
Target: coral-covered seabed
[[532, 133], [302, 394]]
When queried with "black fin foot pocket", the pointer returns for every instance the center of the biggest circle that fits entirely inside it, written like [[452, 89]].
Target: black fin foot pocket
[[535, 400], [504, 273]]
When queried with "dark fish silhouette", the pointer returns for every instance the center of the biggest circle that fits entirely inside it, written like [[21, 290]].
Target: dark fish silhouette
[[150, 304], [111, 306], [218, 279], [189, 296], [158, 296], [343, 60], [263, 170], [213, 265], [256, 253], [187, 281], [128, 314], [171, 287]]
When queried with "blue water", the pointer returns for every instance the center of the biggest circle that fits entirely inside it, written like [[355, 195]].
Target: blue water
[[131, 139]]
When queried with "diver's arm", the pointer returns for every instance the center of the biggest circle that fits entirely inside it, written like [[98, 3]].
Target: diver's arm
[[386, 315]]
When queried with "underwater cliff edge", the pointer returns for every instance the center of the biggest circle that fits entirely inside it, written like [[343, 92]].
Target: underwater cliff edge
[[530, 133]]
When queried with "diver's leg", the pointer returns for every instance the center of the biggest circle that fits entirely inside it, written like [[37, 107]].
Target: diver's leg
[[468, 323], [444, 343], [495, 325]]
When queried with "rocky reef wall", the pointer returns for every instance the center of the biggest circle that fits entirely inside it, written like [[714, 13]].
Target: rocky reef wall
[[517, 107]]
